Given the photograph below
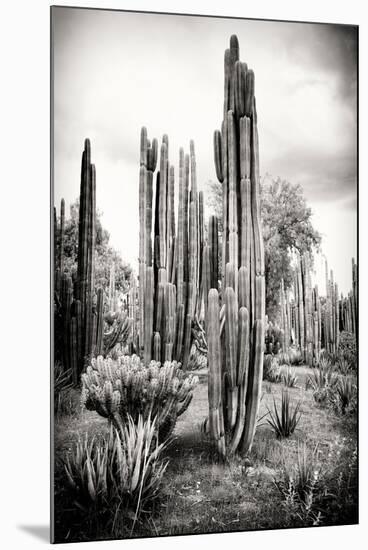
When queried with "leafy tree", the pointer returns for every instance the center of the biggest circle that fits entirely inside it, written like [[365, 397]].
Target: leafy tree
[[105, 257], [287, 227]]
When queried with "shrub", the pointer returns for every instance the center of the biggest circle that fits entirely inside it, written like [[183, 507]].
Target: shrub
[[122, 471], [348, 348], [289, 378], [300, 486], [322, 380], [62, 383], [283, 358], [197, 359], [116, 389], [296, 357], [273, 338], [343, 398], [271, 369], [344, 366], [285, 423]]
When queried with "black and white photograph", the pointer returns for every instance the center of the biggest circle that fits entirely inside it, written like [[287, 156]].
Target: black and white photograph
[[204, 287]]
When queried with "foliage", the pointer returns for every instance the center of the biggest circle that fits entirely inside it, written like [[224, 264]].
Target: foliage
[[301, 484], [271, 369], [322, 381], [321, 491], [273, 338], [289, 378], [105, 256], [348, 348], [344, 366], [343, 397], [62, 383], [120, 472], [287, 226], [197, 359], [295, 357], [125, 386], [284, 422]]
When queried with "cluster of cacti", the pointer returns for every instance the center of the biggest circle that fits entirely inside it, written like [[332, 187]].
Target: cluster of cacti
[[286, 327], [331, 314], [169, 254], [113, 299], [118, 333], [82, 322], [348, 312], [80, 309], [116, 388], [132, 300], [305, 312], [235, 332]]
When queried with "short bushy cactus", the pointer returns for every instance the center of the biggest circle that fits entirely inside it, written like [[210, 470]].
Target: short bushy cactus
[[122, 387]]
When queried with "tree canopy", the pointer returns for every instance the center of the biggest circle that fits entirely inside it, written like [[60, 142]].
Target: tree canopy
[[106, 255]]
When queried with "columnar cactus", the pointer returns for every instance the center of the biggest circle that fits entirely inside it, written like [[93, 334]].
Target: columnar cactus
[[82, 320], [236, 331], [170, 274]]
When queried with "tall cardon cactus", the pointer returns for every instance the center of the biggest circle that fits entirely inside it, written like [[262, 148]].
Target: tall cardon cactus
[[82, 318], [235, 331]]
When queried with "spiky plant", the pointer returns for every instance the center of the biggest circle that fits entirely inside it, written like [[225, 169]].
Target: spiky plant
[[117, 389], [289, 378], [344, 365], [285, 421], [120, 471], [323, 376], [344, 395]]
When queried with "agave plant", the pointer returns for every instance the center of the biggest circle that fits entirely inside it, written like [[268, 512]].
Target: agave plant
[[123, 469], [344, 365], [285, 422], [344, 396], [289, 378], [116, 389], [62, 382]]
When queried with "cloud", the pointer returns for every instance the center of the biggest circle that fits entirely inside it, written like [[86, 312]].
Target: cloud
[[117, 71]]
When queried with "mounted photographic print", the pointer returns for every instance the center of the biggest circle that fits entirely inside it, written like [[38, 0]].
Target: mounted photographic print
[[204, 300]]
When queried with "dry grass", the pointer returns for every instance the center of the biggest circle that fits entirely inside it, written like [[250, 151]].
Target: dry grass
[[200, 494]]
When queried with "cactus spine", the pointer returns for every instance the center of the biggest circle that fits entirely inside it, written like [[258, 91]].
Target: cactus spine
[[236, 373]]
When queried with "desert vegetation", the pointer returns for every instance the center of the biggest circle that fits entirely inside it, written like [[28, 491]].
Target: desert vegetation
[[215, 389]]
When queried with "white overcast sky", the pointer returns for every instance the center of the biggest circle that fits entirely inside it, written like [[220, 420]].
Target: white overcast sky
[[116, 71]]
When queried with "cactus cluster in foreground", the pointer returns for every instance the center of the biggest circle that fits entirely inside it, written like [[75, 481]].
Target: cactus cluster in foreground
[[116, 388]]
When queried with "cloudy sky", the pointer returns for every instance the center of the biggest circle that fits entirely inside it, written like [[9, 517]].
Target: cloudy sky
[[115, 72]]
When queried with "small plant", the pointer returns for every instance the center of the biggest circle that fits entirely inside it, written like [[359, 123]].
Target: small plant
[[296, 357], [289, 378], [117, 389], [348, 348], [197, 359], [284, 358], [285, 422], [322, 380], [271, 369], [62, 383], [344, 365], [300, 486], [122, 471], [344, 397]]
